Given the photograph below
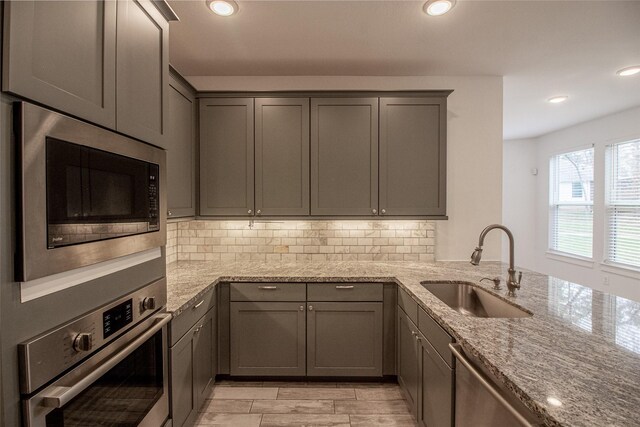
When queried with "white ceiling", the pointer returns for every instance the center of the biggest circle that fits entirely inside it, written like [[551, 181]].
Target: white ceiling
[[542, 48]]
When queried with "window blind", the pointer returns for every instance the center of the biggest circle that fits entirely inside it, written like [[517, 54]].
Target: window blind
[[571, 203], [623, 203]]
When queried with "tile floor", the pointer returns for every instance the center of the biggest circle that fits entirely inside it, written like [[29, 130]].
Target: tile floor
[[284, 404]]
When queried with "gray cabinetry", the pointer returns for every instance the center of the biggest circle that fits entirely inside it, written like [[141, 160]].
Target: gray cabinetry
[[142, 71], [282, 156], [268, 338], [344, 339], [436, 390], [413, 156], [181, 149], [407, 358], [344, 156], [192, 369], [226, 156], [63, 55]]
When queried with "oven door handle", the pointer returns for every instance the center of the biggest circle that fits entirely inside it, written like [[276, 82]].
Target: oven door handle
[[59, 396]]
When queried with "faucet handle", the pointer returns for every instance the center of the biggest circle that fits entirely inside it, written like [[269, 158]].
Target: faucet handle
[[496, 282], [519, 277]]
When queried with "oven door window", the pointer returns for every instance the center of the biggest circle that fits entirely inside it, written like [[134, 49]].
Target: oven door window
[[122, 397], [96, 195]]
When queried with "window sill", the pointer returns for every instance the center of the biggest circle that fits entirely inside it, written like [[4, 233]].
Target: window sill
[[570, 259], [620, 269]]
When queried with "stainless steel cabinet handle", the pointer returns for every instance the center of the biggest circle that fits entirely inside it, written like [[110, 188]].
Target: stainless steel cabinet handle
[[310, 308], [268, 288], [58, 396], [455, 349], [169, 213], [249, 211], [374, 211], [302, 308], [259, 212], [383, 211], [198, 304], [414, 333], [344, 286]]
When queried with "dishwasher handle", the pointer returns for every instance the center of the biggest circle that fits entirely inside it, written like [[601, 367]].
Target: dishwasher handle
[[455, 349]]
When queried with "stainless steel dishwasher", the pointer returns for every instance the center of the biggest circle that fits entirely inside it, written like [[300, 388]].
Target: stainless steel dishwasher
[[480, 402]]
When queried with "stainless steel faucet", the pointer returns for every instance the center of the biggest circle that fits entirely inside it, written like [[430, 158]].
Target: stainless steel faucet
[[512, 283]]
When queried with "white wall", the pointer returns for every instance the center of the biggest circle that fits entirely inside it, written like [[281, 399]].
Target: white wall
[[474, 164], [599, 132], [519, 188]]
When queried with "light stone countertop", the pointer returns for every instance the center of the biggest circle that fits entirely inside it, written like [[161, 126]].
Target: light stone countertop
[[581, 346]]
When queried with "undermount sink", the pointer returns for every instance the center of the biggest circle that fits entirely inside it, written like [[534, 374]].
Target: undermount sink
[[474, 301]]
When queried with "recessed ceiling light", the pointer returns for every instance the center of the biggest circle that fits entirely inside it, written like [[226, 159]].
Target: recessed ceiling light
[[438, 7], [629, 71], [223, 7], [557, 99]]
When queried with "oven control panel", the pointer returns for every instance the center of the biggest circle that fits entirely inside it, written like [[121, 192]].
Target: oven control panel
[[51, 353]]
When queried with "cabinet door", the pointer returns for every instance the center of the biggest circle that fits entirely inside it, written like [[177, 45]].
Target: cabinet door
[[181, 151], [282, 156], [142, 71], [226, 156], [267, 338], [436, 387], [408, 359], [184, 402], [62, 54], [413, 156], [344, 156], [344, 339], [204, 356]]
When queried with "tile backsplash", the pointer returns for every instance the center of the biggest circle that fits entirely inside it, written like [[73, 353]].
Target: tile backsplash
[[292, 240]]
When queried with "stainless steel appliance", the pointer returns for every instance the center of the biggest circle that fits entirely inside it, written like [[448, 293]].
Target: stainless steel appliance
[[481, 402], [108, 367], [86, 194]]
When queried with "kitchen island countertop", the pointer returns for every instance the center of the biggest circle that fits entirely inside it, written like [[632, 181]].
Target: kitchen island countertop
[[581, 347]]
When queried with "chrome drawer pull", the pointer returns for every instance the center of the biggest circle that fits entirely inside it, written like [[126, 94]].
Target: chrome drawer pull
[[344, 286], [198, 304], [268, 288]]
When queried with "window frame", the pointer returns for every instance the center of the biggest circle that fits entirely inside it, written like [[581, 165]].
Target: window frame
[[553, 204]]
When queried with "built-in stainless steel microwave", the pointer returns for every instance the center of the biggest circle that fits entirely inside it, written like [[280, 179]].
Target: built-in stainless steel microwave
[[86, 194]]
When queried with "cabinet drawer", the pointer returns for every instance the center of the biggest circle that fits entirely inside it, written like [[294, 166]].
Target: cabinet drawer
[[361, 292], [408, 305], [185, 320], [438, 337], [268, 292]]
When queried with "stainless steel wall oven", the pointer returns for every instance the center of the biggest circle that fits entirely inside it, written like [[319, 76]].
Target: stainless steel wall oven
[[107, 368], [86, 194]]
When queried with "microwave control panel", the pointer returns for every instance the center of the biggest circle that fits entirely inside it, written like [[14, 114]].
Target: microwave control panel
[[154, 198]]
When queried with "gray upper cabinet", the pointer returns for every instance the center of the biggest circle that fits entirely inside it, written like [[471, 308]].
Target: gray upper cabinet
[[226, 156], [344, 156], [181, 150], [413, 156], [282, 156], [142, 71], [63, 55]]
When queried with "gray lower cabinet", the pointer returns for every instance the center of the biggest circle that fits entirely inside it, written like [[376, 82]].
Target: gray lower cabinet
[[267, 338], [408, 373], [142, 71], [344, 156], [181, 150], [436, 387], [282, 156], [344, 339], [63, 55], [413, 160], [226, 156], [192, 367]]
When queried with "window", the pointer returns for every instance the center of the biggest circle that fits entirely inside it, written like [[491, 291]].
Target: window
[[623, 203], [571, 203]]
